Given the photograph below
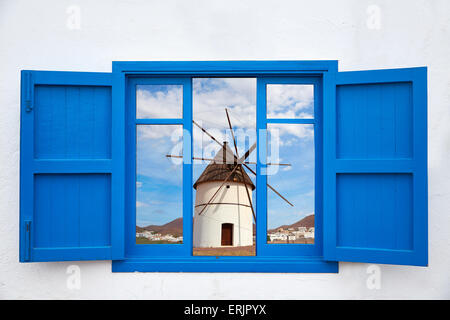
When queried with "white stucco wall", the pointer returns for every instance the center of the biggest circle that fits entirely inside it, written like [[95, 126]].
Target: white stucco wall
[[234, 208], [40, 35]]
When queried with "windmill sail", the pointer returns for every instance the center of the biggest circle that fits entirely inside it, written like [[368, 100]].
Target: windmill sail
[[218, 170]]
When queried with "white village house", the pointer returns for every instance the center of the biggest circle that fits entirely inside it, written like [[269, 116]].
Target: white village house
[[310, 233], [278, 236], [228, 219]]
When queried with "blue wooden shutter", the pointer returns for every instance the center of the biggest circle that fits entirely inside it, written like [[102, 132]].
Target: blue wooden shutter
[[71, 167], [375, 166]]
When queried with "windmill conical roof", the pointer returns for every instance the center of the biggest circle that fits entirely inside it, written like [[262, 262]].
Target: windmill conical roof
[[217, 170]]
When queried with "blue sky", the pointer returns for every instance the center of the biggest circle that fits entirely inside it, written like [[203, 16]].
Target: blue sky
[[296, 183], [159, 179]]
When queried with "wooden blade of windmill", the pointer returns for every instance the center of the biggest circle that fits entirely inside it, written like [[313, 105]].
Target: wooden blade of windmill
[[211, 159], [239, 162], [218, 189], [240, 167], [271, 188], [245, 157], [229, 152], [207, 133], [232, 132], [248, 195]]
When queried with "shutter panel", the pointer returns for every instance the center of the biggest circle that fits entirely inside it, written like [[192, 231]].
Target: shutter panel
[[71, 167], [375, 166]]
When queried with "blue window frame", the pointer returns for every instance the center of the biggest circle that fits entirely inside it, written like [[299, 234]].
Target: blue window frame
[[171, 250], [263, 248], [71, 168], [180, 254], [78, 164], [375, 163]]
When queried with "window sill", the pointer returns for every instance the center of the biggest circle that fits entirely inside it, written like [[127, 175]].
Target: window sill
[[226, 264]]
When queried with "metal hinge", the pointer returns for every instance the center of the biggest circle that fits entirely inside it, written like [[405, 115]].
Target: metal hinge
[[28, 106], [28, 92], [27, 240]]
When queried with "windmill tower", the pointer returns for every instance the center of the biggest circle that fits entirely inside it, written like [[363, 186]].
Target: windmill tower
[[223, 203], [223, 216]]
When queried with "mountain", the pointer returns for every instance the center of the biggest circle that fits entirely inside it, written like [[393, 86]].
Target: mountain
[[174, 227], [307, 222], [139, 229]]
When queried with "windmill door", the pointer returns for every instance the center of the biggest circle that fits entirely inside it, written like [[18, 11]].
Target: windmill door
[[227, 234]]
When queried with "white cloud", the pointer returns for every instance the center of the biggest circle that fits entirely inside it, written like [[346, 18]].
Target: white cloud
[[289, 132], [159, 101], [211, 97], [140, 204], [172, 132], [289, 101]]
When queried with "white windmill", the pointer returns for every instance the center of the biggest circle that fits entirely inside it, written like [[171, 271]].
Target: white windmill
[[224, 211]]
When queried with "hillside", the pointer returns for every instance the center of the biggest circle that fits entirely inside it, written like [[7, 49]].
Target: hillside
[[139, 229], [307, 222], [175, 227]]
